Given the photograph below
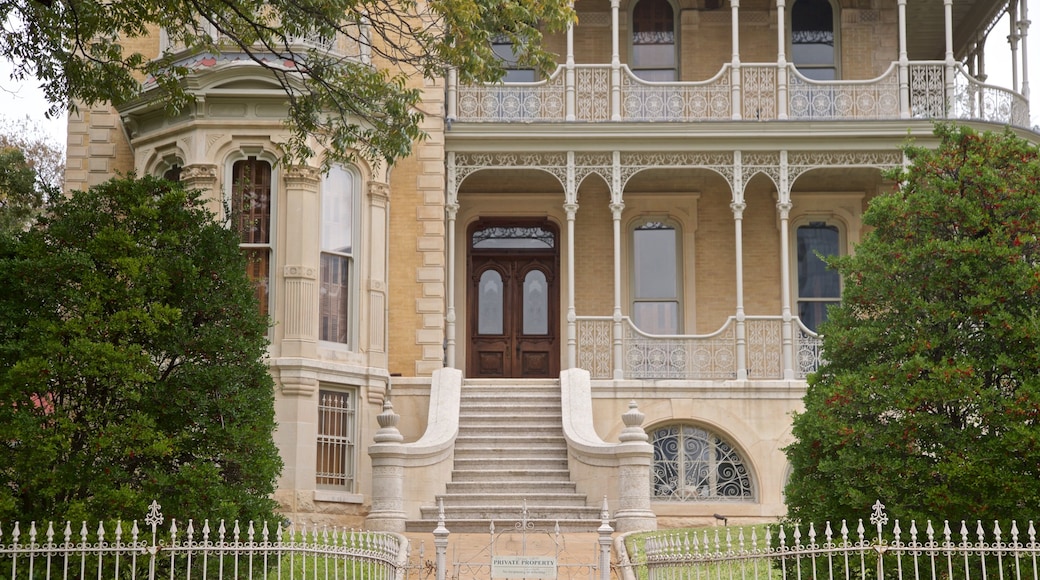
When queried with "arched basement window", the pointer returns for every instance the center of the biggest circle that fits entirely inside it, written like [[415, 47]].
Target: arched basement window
[[692, 464]]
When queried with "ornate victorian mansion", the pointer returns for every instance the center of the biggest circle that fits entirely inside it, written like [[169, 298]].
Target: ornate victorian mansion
[[601, 283]]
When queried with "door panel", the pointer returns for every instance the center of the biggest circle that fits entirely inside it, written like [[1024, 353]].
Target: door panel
[[513, 313]]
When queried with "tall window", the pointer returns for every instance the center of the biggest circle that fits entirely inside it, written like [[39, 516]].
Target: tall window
[[813, 39], [251, 215], [653, 41], [337, 235], [656, 280], [506, 51], [692, 464], [818, 286], [335, 459]]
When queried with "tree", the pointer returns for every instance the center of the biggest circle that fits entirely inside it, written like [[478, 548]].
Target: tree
[[131, 362], [83, 50], [929, 399], [31, 170]]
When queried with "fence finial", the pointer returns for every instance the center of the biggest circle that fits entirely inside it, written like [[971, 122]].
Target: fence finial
[[879, 518]]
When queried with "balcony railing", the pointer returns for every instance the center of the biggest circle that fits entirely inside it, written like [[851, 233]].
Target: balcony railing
[[598, 93], [695, 357]]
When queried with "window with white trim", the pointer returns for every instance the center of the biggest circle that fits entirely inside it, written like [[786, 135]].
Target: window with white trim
[[337, 251], [692, 464], [335, 468], [814, 39], [654, 49], [819, 287], [506, 52], [656, 278], [251, 209]]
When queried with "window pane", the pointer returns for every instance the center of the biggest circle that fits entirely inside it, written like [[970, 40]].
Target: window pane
[[812, 35], [653, 40], [536, 303], [334, 298], [258, 270], [815, 279], [489, 303], [335, 453], [655, 262], [656, 317], [812, 314], [337, 204], [251, 200]]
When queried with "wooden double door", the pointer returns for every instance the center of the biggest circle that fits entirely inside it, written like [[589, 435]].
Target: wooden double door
[[513, 300]]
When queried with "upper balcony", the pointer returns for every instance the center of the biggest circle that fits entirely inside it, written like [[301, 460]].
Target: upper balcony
[[763, 60], [756, 92]]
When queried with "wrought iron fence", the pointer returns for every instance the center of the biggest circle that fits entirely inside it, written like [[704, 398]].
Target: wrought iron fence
[[880, 549], [118, 550]]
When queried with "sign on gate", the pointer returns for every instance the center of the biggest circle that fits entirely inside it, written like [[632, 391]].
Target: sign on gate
[[535, 567]]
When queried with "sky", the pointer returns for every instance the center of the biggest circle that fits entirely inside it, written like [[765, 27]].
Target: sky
[[24, 99]]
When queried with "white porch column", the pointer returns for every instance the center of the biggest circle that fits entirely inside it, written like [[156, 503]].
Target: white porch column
[[904, 65], [781, 61], [950, 62], [615, 63], [451, 96], [569, 102], [783, 206], [617, 205], [451, 209], [738, 207], [570, 206], [1023, 30], [735, 26], [1013, 38]]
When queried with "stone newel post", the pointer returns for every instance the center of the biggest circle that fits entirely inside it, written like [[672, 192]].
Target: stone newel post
[[387, 455], [635, 458]]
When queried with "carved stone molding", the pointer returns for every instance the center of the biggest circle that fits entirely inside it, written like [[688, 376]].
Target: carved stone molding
[[302, 176], [304, 272], [379, 190]]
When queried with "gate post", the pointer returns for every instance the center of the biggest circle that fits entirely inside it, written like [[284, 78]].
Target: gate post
[[605, 533], [440, 543], [387, 453], [635, 459]]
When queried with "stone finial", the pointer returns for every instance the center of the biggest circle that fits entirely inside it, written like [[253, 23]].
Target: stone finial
[[387, 420], [633, 420]]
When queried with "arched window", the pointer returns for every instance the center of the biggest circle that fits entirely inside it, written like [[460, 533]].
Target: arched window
[[656, 279], [693, 464], [337, 251], [251, 216], [819, 287], [814, 39], [653, 41]]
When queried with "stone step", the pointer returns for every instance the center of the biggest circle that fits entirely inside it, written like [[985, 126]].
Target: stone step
[[512, 457], [513, 425], [511, 475], [524, 488], [511, 513], [510, 441], [510, 500], [483, 526], [476, 462]]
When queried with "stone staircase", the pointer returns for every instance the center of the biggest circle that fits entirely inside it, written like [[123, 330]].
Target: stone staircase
[[510, 450]]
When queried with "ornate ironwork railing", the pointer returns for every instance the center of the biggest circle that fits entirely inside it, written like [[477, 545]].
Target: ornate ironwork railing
[[694, 357], [755, 91]]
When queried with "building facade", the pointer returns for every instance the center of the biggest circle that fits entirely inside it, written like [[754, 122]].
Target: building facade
[[652, 213]]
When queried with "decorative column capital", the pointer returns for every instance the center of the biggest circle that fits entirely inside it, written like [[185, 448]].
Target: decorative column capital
[[199, 176], [738, 208], [571, 209], [784, 207], [616, 208], [379, 190], [452, 210], [302, 177]]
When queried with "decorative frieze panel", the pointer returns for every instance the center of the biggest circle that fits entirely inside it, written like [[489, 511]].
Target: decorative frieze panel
[[710, 100], [877, 99]]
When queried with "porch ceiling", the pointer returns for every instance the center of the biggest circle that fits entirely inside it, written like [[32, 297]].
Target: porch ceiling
[[926, 38]]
